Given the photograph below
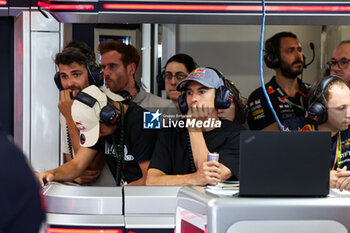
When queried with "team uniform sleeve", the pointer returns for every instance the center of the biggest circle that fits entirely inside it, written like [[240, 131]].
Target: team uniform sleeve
[[260, 114], [161, 156]]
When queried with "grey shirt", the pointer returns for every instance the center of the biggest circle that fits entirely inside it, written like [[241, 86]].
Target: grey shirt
[[152, 102]]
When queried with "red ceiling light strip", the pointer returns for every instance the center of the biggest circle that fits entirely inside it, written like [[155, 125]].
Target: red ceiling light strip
[[71, 7], [66, 6], [3, 3], [43, 4], [225, 7]]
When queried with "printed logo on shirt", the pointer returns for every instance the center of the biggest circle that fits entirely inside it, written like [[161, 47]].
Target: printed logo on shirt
[[281, 106], [270, 90], [255, 102], [151, 120], [257, 112], [109, 150]]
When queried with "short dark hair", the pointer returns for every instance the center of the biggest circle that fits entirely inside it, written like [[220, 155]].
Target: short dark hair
[[70, 55], [318, 95], [273, 44], [184, 59], [85, 49], [129, 53], [76, 51], [344, 42]]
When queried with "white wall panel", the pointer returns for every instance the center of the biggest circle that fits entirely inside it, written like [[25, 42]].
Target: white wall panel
[[234, 49], [45, 96]]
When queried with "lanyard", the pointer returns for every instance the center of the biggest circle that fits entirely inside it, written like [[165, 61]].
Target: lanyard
[[337, 156], [119, 150]]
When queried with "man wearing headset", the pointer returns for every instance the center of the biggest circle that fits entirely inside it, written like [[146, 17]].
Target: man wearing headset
[[119, 62], [77, 70], [339, 64], [180, 154], [329, 110], [287, 93], [114, 127]]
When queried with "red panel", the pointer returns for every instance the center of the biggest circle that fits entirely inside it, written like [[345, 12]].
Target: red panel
[[64, 230], [3, 2], [224, 7], [66, 6]]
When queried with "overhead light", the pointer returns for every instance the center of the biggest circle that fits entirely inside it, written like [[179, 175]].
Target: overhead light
[[66, 6], [179, 7]]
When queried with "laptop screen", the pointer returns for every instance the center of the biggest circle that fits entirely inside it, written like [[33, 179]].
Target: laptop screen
[[284, 163]]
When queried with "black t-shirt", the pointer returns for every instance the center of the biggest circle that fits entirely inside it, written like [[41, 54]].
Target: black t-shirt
[[302, 124], [20, 203], [260, 114], [138, 144], [171, 155]]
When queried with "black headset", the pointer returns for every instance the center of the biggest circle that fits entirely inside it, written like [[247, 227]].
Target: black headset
[[109, 114], [317, 112], [223, 96], [95, 73]]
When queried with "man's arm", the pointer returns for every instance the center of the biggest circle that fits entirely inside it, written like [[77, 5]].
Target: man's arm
[[71, 169], [208, 172], [142, 181], [198, 145]]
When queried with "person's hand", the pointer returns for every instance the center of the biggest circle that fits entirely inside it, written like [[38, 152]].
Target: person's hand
[[333, 178], [207, 173], [65, 103], [343, 182], [44, 177], [87, 176], [199, 112]]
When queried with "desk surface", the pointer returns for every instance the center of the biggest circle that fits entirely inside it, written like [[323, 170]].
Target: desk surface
[[220, 212]]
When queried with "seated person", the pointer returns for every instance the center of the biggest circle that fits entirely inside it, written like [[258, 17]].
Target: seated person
[[329, 110], [180, 154], [176, 69], [116, 128]]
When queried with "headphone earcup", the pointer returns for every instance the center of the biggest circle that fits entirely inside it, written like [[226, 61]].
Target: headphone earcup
[[183, 103], [271, 60], [110, 115], [223, 97], [96, 76], [317, 113], [57, 80]]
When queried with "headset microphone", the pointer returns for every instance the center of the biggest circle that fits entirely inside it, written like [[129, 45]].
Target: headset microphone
[[312, 47]]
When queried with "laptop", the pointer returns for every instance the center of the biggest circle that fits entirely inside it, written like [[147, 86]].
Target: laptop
[[284, 163]]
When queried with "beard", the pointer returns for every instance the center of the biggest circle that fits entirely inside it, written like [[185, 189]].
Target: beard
[[287, 69]]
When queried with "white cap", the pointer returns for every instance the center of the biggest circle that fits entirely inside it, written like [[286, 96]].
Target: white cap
[[86, 114]]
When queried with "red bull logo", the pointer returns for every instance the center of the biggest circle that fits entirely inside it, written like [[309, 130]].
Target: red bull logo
[[197, 73], [270, 90], [306, 128], [79, 125]]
